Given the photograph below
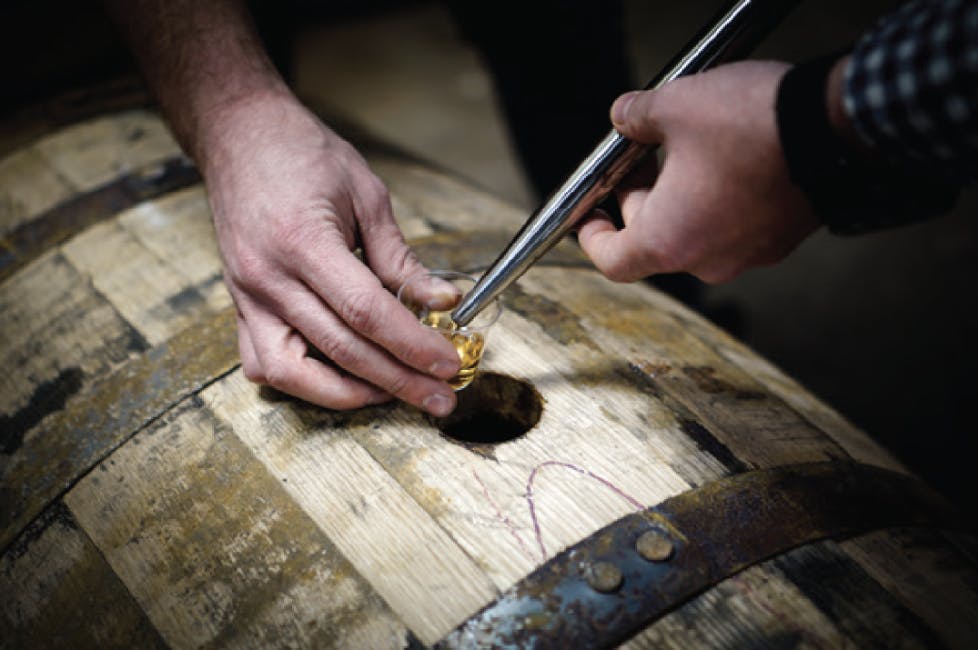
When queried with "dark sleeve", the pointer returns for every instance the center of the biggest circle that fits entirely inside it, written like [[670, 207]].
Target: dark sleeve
[[911, 87]]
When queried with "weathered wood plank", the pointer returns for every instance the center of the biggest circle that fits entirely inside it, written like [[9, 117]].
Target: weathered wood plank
[[28, 186], [856, 603], [216, 551], [94, 152], [925, 573], [758, 608], [156, 263], [811, 597], [101, 414], [55, 331], [742, 430], [42, 232], [473, 251], [857, 443], [60, 593], [759, 428], [519, 504], [399, 549], [445, 203], [177, 226], [79, 159], [136, 282]]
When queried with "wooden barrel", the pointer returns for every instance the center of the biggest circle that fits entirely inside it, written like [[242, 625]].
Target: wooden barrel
[[151, 496]]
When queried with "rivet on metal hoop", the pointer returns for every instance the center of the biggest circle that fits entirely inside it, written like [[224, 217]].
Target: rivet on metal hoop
[[655, 546], [603, 576]]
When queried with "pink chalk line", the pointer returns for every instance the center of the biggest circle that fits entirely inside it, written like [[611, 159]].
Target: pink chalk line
[[580, 470]]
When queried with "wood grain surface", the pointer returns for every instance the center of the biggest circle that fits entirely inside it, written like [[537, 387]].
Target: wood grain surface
[[151, 496]]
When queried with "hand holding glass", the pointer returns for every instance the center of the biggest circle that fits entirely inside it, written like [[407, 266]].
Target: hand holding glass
[[431, 297]]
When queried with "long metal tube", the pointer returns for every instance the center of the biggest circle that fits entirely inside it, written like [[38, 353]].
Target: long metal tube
[[732, 35]]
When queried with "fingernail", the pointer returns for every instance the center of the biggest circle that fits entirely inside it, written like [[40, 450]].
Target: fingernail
[[438, 405], [443, 369], [619, 110]]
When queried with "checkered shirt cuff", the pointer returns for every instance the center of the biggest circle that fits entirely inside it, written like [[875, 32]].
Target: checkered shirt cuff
[[911, 88]]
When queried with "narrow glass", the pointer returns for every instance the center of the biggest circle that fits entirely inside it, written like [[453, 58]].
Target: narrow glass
[[432, 296]]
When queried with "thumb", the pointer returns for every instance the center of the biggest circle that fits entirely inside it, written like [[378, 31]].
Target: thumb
[[634, 116]]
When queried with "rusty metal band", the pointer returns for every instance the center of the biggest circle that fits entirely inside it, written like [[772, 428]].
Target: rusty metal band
[[60, 223], [612, 585]]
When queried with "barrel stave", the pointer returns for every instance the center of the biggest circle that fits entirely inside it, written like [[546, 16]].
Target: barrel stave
[[60, 592], [216, 551], [390, 538], [234, 517], [29, 186], [53, 322], [156, 281]]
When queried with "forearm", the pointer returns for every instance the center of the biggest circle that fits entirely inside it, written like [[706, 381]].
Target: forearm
[[200, 58]]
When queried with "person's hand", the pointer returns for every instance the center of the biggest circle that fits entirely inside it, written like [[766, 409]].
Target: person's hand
[[722, 201], [291, 203]]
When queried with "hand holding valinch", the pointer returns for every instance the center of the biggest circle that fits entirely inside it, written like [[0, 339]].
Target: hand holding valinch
[[738, 30]]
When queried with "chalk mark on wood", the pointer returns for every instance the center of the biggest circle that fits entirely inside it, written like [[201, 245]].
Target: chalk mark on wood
[[580, 470], [506, 521]]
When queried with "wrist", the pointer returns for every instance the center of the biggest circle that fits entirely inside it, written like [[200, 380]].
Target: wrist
[[836, 112], [851, 188], [201, 60], [222, 123]]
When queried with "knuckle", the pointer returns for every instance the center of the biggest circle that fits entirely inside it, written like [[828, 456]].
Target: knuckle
[[341, 350], [277, 374], [248, 271], [621, 268], [375, 198], [378, 191], [291, 239], [403, 263], [398, 384], [238, 262], [359, 310], [253, 372], [415, 354]]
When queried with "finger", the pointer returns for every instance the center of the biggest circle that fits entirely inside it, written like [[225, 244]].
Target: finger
[[596, 215], [384, 248], [356, 295], [634, 115], [389, 256], [361, 357], [426, 293], [281, 353], [636, 186], [249, 358], [614, 252], [642, 176]]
